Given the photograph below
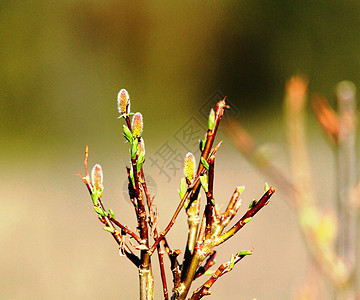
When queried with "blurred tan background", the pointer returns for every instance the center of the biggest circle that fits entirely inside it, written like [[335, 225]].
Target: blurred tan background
[[62, 65]]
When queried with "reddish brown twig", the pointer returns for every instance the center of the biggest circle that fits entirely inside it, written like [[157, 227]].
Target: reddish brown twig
[[247, 217], [204, 290], [105, 220]]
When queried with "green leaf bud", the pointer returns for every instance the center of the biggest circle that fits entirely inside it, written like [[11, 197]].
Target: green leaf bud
[[267, 187], [244, 252], [212, 119], [252, 204], [100, 211], [204, 163], [204, 183], [131, 173], [247, 220], [232, 262], [109, 229], [183, 188], [240, 189], [209, 272], [111, 213]]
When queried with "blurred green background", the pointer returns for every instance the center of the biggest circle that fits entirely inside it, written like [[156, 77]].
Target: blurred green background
[[62, 65]]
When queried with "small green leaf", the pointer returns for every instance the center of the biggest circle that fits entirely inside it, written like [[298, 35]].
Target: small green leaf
[[127, 134], [247, 220], [183, 188], [267, 187], [139, 164], [209, 272], [134, 148], [100, 211], [204, 163], [202, 144], [109, 229], [131, 173], [111, 213], [232, 262], [204, 183], [95, 196], [244, 252], [186, 205], [240, 189], [212, 119], [252, 204]]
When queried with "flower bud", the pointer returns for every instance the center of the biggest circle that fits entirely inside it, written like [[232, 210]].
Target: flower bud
[[137, 125], [123, 101], [97, 177], [189, 166]]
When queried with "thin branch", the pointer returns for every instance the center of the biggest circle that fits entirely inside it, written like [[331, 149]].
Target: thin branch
[[193, 211], [204, 290], [105, 220], [232, 208], [210, 137], [210, 198], [246, 218], [125, 229]]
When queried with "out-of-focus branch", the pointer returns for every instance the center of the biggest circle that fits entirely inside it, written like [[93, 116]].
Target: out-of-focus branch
[[318, 228], [294, 106], [326, 116], [347, 238]]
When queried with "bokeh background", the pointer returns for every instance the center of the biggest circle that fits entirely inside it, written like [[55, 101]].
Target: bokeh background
[[62, 65]]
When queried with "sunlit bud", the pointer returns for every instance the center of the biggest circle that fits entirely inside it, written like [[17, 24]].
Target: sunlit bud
[[97, 177], [109, 229], [123, 101], [189, 166], [137, 124], [244, 252]]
